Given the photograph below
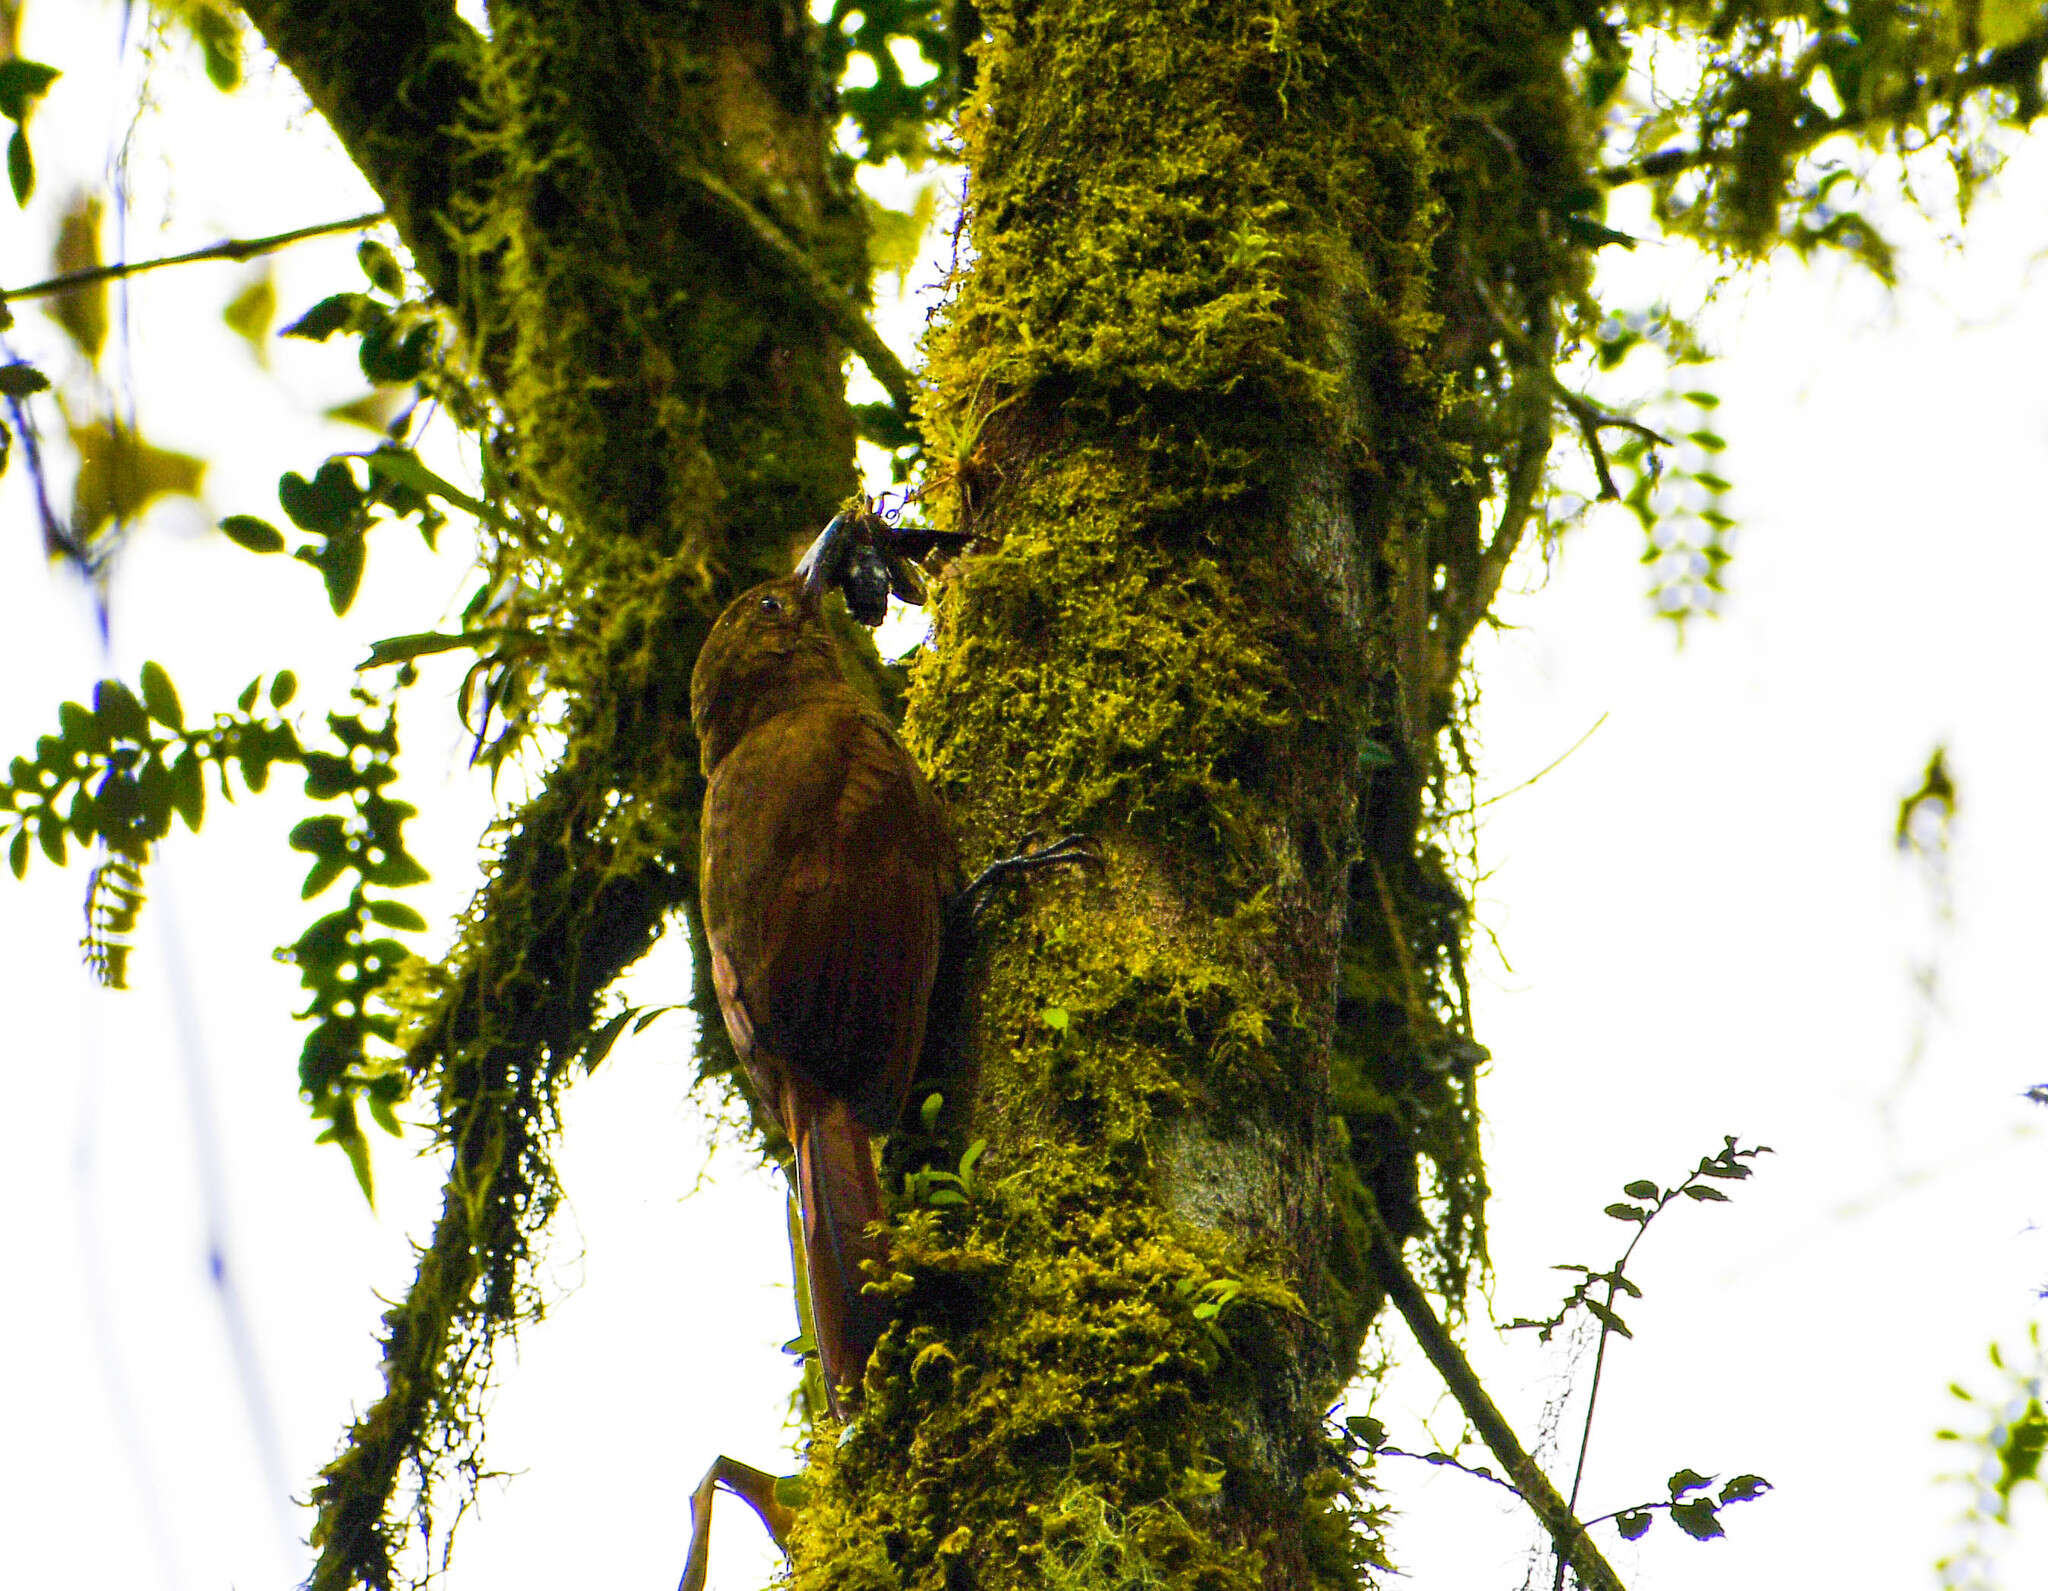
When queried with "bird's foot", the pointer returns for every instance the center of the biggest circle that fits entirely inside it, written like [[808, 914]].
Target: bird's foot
[[756, 1488], [1069, 850]]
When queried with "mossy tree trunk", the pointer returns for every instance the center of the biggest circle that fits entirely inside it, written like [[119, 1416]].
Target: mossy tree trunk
[[1217, 394], [1225, 396], [588, 191]]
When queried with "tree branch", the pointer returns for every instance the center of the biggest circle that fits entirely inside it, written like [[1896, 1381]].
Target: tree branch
[[1589, 416], [393, 78], [840, 314], [228, 249], [2016, 66], [1573, 1544]]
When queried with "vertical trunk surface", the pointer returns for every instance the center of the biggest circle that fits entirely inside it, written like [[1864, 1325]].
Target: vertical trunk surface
[[1189, 395]]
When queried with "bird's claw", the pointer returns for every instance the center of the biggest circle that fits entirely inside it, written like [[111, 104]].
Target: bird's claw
[[1069, 850]]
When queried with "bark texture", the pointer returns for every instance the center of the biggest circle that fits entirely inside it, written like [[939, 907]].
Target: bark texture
[[1239, 514]]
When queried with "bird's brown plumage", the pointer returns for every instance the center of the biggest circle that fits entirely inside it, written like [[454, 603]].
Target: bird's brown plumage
[[826, 870]]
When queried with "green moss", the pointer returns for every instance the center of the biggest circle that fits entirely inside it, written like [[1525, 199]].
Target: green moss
[[1051, 1354], [1200, 399]]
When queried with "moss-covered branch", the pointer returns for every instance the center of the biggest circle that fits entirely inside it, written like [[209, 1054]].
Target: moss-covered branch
[[392, 77], [665, 419], [499, 1038]]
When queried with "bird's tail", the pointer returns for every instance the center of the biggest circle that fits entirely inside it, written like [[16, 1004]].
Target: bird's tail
[[839, 1194]]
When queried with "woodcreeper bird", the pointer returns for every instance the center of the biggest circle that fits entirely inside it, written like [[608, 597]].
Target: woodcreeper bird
[[827, 873]]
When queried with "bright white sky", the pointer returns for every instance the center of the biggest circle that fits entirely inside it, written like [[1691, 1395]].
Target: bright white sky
[[1708, 929]]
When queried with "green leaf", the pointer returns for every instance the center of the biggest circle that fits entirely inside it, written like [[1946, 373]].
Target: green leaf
[[1641, 1190], [81, 729], [22, 83], [1632, 1523], [340, 563], [328, 776], [403, 466], [330, 315], [928, 1112], [353, 1144], [50, 836], [601, 1042], [115, 706], [328, 504], [404, 648], [17, 852], [1707, 440], [247, 699], [21, 167], [249, 314], [1607, 1317], [160, 697], [1705, 400], [19, 379], [153, 799], [1368, 1432], [283, 687], [391, 358], [1686, 1480], [1627, 1212], [1744, 1489], [1054, 1017], [380, 265], [321, 874], [1591, 234], [1699, 1191], [396, 914], [396, 871], [1696, 1519], [257, 535], [384, 1116], [2006, 22], [188, 790], [322, 836]]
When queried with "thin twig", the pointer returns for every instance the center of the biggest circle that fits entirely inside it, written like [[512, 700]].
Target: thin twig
[[1569, 1536], [230, 249], [840, 313], [1524, 481], [1547, 769], [1591, 418]]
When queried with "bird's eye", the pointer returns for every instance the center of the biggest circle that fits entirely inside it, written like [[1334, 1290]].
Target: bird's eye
[[771, 604]]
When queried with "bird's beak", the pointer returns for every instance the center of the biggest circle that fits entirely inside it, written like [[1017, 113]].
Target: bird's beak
[[819, 566]]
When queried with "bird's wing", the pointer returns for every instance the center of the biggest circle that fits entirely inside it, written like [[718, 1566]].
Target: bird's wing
[[826, 907]]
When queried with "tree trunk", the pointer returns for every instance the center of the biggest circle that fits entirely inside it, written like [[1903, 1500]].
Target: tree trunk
[[1220, 395], [1191, 394], [591, 191]]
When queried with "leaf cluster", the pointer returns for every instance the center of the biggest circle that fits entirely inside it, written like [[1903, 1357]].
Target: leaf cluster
[[1757, 148], [893, 115], [1645, 1201], [2002, 1456], [1697, 1515], [350, 1056], [22, 83], [117, 774]]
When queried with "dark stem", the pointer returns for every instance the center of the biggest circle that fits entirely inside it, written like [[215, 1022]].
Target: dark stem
[[839, 313], [1574, 1546], [228, 249], [1586, 1431]]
